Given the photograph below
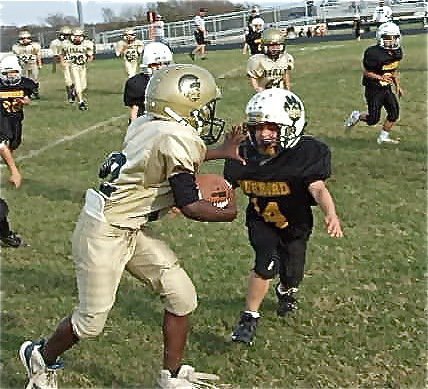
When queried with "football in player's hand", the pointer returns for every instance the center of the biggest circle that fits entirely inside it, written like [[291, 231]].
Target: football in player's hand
[[215, 189]]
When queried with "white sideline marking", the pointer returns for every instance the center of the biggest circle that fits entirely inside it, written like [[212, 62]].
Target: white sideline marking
[[35, 153], [229, 72], [322, 47]]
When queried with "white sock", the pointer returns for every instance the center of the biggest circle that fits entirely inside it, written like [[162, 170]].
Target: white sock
[[254, 314], [384, 134]]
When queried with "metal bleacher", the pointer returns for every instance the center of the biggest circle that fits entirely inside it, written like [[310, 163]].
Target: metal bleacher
[[230, 27]]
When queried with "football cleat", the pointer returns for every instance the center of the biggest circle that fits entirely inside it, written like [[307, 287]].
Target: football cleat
[[352, 120], [40, 376], [187, 378], [12, 240], [83, 106], [388, 140], [286, 302], [245, 330], [192, 56]]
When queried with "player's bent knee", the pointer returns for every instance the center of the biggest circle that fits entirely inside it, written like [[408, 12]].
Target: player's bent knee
[[178, 292], [88, 325]]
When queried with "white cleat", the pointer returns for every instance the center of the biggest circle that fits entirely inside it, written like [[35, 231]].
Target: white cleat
[[388, 141], [40, 376], [187, 378], [352, 120]]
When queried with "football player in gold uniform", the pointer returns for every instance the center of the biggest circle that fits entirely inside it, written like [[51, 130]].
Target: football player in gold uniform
[[29, 55], [56, 47], [162, 152], [78, 52], [272, 68], [130, 48]]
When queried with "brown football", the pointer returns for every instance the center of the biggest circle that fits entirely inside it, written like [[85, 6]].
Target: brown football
[[215, 189]]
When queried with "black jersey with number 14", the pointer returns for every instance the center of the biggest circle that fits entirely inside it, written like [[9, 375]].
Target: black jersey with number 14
[[278, 188]]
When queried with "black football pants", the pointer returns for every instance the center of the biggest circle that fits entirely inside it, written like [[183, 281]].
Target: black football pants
[[279, 251], [378, 97]]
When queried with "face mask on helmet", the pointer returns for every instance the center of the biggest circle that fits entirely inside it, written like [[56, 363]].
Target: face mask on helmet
[[273, 43], [275, 121], [388, 36], [10, 71], [187, 94]]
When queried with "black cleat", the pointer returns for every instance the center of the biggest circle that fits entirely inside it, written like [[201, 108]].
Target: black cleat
[[83, 106], [286, 302], [12, 240], [192, 56], [245, 330]]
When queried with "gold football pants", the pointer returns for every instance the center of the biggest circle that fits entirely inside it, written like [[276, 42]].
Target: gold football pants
[[78, 76]]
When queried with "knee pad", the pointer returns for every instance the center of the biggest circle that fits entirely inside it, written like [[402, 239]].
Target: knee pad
[[4, 209], [267, 267], [88, 325], [177, 291]]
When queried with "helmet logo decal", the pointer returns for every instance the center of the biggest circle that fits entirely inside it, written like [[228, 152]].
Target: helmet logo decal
[[293, 107], [190, 87]]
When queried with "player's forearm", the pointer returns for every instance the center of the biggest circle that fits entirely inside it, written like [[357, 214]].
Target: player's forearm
[[204, 211], [287, 82], [372, 75], [133, 112], [7, 156], [324, 200]]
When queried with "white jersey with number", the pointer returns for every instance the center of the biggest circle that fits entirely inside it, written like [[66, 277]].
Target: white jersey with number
[[27, 54], [78, 55], [269, 73], [131, 51], [155, 150]]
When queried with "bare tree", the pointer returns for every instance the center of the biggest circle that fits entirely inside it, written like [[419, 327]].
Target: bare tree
[[108, 15], [58, 20]]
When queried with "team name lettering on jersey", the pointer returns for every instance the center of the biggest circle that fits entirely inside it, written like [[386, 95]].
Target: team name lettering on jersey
[[264, 189], [270, 73]]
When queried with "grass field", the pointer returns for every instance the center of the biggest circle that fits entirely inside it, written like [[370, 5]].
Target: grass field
[[362, 321]]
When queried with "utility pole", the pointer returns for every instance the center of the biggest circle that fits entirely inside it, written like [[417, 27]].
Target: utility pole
[[80, 14]]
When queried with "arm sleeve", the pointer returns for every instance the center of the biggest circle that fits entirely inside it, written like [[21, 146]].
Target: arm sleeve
[[253, 70], [370, 62], [320, 168], [184, 189]]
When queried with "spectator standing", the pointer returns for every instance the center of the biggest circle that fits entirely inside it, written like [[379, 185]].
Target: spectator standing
[[200, 34], [382, 14], [158, 30], [357, 27]]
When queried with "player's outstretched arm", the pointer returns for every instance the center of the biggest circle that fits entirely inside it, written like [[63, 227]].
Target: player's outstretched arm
[[323, 198], [15, 176]]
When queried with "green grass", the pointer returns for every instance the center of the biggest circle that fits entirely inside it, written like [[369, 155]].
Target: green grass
[[361, 322]]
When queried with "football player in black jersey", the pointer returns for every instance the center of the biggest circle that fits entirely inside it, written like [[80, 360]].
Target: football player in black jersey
[[380, 76], [283, 177], [15, 92], [155, 56]]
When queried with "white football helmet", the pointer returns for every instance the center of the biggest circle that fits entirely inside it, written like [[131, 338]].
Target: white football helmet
[[187, 94], [388, 36], [10, 70], [155, 53], [282, 108], [257, 24]]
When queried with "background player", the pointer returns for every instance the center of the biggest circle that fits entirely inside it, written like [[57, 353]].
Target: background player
[[272, 68], [29, 55], [79, 52], [381, 73], [156, 55], [130, 49]]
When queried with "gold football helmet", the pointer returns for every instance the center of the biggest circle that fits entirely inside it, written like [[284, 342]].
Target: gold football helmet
[[187, 94], [24, 37], [273, 42], [130, 34], [77, 36], [64, 32]]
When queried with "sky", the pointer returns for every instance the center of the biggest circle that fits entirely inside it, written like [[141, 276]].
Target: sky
[[23, 12]]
